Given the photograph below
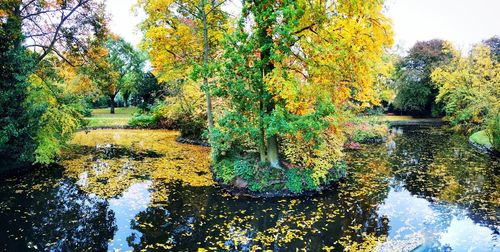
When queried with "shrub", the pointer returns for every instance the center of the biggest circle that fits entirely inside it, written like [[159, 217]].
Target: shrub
[[184, 111], [364, 131], [317, 156], [143, 121], [224, 169], [192, 126], [493, 131], [293, 181], [260, 177]]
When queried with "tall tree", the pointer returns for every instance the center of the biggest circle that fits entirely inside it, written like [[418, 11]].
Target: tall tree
[[16, 66], [115, 66], [147, 91], [180, 33], [416, 92], [469, 87], [291, 67], [36, 116]]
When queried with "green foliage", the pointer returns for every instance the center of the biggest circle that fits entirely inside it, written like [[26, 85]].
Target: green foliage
[[147, 91], [493, 131], [143, 121], [261, 178], [224, 170], [244, 168], [55, 115], [416, 92], [16, 66], [293, 181]]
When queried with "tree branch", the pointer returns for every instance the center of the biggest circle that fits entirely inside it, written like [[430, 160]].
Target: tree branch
[[216, 6], [58, 28]]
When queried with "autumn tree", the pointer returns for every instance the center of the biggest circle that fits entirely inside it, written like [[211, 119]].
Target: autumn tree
[[469, 87], [291, 68], [59, 26], [494, 44], [416, 92], [182, 38], [36, 115]]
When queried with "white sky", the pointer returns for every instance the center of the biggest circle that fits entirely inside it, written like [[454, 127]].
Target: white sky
[[463, 22], [124, 21]]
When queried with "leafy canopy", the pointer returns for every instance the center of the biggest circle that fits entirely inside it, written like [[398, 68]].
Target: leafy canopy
[[416, 92], [290, 69]]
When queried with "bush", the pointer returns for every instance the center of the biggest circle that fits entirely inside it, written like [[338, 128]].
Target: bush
[[192, 126], [143, 121], [366, 131], [259, 177], [493, 131], [307, 159], [224, 169], [185, 112], [318, 157], [293, 181]]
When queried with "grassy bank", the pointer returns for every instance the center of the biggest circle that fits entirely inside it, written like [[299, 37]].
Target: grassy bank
[[481, 138], [103, 118]]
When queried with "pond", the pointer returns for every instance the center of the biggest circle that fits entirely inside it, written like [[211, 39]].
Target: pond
[[140, 190]]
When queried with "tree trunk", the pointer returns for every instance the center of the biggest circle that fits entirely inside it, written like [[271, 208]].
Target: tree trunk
[[112, 104], [126, 95], [262, 141], [272, 152], [268, 106], [206, 48]]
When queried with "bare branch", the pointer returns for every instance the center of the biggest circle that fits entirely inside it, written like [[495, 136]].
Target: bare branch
[[58, 28]]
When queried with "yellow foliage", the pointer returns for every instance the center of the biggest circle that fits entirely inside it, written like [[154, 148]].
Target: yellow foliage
[[307, 154], [174, 40], [188, 164], [369, 243], [338, 55], [469, 86]]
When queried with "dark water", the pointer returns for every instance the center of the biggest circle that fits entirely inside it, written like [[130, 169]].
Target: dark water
[[427, 191]]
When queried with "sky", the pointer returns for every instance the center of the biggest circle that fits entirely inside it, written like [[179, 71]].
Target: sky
[[124, 20], [463, 22]]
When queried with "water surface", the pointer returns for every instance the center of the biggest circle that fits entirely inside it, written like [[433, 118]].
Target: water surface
[[138, 189]]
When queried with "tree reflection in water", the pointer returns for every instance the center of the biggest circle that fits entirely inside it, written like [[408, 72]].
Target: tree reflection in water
[[432, 191], [49, 212]]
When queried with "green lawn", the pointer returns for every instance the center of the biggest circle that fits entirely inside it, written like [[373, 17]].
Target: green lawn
[[481, 138], [103, 118]]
